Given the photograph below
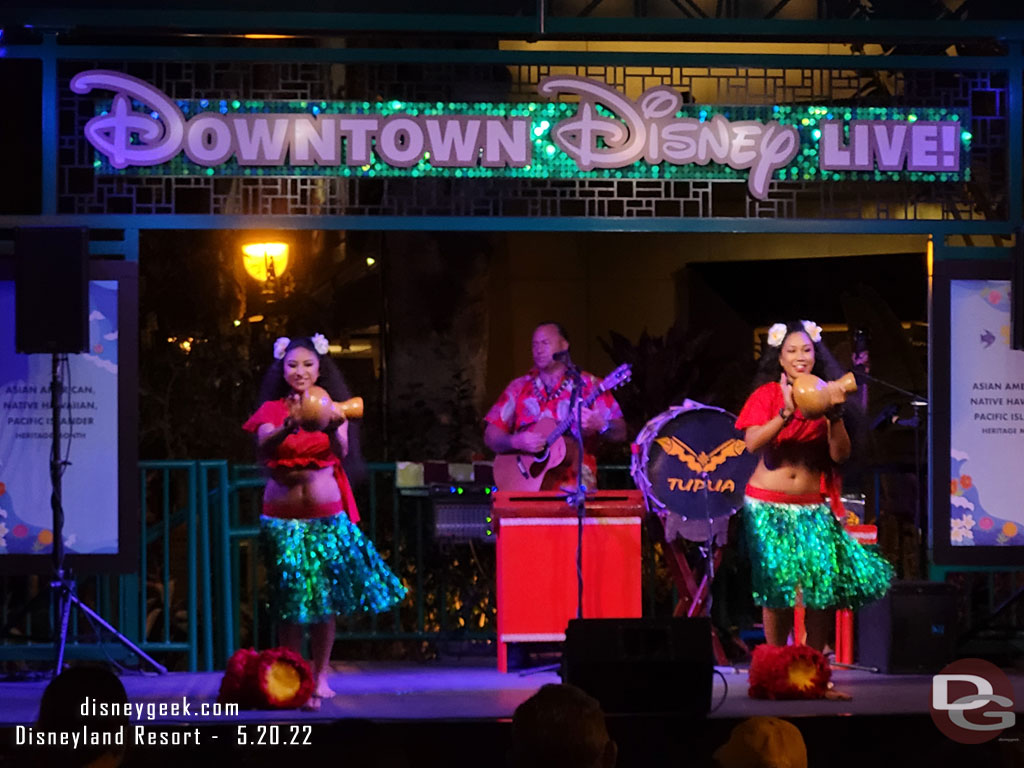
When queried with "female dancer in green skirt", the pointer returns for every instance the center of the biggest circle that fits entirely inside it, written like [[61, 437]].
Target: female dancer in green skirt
[[799, 550], [319, 564]]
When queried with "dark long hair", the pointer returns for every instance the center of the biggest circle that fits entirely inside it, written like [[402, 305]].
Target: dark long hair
[[768, 369], [274, 387], [826, 367]]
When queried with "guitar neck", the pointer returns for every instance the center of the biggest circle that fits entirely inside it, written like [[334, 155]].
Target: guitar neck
[[565, 423]]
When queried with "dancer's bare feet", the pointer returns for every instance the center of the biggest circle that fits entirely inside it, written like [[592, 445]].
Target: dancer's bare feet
[[833, 695], [323, 688]]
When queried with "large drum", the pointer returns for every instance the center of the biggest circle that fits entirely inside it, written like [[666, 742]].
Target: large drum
[[692, 466]]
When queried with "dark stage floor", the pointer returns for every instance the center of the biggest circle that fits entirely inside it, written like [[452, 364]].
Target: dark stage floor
[[446, 691], [454, 714]]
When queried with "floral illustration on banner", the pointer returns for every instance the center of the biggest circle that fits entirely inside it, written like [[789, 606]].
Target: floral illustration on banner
[[961, 529], [969, 523], [996, 296], [18, 537], [5, 503]]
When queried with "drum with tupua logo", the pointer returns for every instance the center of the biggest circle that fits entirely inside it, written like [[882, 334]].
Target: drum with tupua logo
[[692, 465]]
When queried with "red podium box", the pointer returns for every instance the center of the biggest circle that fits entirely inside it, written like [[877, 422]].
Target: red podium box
[[536, 562]]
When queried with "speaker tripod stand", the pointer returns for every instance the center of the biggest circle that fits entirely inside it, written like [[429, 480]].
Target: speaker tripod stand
[[62, 585]]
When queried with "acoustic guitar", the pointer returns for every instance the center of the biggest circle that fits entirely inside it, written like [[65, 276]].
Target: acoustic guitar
[[526, 471]]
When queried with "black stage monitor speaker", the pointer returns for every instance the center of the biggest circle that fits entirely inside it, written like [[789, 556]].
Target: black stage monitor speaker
[[912, 630], [51, 294], [642, 665]]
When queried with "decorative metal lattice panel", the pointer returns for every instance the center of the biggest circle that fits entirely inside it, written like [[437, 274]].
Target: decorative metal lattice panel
[[85, 191]]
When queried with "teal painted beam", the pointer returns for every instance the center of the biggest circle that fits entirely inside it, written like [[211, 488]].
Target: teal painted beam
[[47, 652], [946, 30], [50, 126], [940, 572], [245, 21], [204, 586], [511, 58], [127, 249], [142, 222], [971, 253], [618, 27], [131, 244]]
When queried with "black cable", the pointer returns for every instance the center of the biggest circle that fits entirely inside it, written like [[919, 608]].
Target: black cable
[[66, 365], [725, 693], [580, 492], [56, 470], [98, 631], [476, 561]]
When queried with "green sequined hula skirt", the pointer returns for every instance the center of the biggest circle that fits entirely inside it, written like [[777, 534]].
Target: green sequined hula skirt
[[324, 567], [801, 548]]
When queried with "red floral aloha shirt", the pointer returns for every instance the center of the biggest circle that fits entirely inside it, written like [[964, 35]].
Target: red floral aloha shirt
[[526, 401]]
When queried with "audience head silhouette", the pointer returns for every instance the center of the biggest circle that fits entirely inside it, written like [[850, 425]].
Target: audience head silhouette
[[560, 726], [763, 742], [72, 701]]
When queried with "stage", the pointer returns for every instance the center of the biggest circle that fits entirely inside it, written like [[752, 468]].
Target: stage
[[457, 713]]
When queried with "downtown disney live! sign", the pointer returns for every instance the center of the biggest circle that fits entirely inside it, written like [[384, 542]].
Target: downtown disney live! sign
[[602, 133]]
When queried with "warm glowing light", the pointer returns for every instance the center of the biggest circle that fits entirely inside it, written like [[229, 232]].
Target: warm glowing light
[[256, 319], [261, 36], [261, 258], [353, 348], [370, 261], [237, 323]]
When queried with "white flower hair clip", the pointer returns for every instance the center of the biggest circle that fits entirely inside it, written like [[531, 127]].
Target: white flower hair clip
[[281, 346], [320, 343], [776, 335], [812, 329]]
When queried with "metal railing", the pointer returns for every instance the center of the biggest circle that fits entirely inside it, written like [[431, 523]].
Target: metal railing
[[166, 606], [198, 592], [397, 520]]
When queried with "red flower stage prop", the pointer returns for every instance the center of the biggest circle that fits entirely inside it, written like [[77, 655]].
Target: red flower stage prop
[[273, 679], [788, 672]]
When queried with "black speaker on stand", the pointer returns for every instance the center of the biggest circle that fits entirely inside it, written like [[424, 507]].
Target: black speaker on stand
[[51, 290], [647, 666], [51, 314], [912, 630]]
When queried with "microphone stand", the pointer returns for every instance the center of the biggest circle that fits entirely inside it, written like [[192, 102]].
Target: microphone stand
[[574, 497], [917, 402], [578, 497]]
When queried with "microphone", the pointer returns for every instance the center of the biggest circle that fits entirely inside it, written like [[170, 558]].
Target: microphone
[[563, 358]]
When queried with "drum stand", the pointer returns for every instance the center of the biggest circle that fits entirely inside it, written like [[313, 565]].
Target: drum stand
[[694, 599], [693, 585]]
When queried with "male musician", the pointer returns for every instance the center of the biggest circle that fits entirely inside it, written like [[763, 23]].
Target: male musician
[[545, 393]]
